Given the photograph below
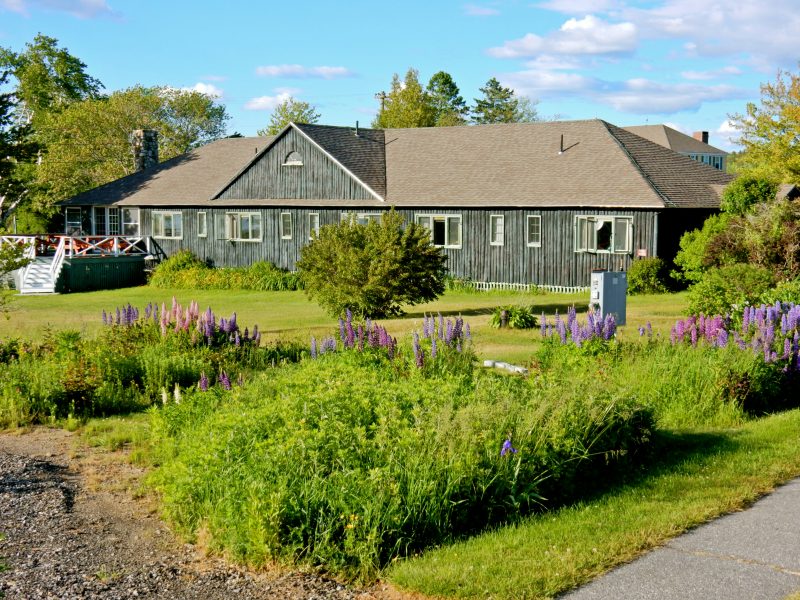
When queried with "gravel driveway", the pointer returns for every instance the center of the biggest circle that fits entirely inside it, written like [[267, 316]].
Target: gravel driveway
[[71, 528]]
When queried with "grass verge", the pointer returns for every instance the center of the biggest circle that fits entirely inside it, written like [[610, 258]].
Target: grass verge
[[692, 478]]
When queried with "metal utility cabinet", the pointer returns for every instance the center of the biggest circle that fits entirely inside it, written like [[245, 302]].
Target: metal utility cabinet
[[607, 292]]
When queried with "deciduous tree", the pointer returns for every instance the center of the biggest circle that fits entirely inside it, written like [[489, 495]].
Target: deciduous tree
[[770, 131], [290, 111], [407, 105]]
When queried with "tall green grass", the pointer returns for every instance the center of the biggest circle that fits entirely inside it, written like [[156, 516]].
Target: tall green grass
[[347, 462]]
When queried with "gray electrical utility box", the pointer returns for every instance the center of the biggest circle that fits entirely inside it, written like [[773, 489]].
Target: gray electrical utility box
[[607, 292]]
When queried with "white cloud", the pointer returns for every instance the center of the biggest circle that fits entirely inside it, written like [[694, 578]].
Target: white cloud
[[209, 89], [579, 7], [711, 74], [544, 83], [473, 10], [301, 72], [729, 135], [83, 9], [267, 102], [587, 36], [644, 96]]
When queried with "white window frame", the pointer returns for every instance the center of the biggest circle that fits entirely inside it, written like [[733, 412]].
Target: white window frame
[[293, 159], [497, 237], [286, 225], [159, 228], [427, 219], [313, 225], [106, 213], [127, 216], [233, 226], [528, 220], [202, 224], [74, 222], [587, 226], [361, 218]]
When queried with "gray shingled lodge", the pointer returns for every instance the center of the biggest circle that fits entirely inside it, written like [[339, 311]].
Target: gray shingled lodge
[[537, 203]]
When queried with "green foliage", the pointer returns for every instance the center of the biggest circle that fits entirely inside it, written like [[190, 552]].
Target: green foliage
[[746, 191], [785, 291], [183, 270], [88, 142], [372, 269], [446, 99], [770, 132], [290, 111], [407, 105], [724, 290], [516, 317], [500, 105], [343, 463], [647, 276], [694, 258]]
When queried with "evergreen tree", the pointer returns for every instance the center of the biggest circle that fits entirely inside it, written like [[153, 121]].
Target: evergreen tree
[[500, 105], [447, 101]]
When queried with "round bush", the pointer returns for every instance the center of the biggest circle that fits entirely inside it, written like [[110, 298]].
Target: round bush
[[647, 276], [726, 290]]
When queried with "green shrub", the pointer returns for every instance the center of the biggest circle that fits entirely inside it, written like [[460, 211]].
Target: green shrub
[[785, 291], [726, 290], [694, 258], [516, 317], [745, 192], [372, 269], [347, 463], [647, 276], [183, 270]]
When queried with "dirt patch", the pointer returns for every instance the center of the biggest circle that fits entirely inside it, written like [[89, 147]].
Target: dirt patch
[[73, 526]]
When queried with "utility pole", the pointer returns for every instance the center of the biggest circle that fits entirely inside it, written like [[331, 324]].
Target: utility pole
[[382, 97]]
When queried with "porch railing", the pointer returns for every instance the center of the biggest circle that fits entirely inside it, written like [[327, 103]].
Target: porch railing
[[67, 246]]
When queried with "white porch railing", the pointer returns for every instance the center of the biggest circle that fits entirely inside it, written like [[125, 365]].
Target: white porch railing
[[79, 245]]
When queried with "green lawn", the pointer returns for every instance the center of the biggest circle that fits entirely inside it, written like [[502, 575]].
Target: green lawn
[[290, 314], [692, 478]]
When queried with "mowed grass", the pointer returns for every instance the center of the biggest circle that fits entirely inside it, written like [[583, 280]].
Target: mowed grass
[[292, 315], [692, 477]]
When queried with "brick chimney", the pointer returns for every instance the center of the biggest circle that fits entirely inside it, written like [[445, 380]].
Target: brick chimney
[[144, 143], [701, 136]]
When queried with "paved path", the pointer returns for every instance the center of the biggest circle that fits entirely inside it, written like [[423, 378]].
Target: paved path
[[754, 554]]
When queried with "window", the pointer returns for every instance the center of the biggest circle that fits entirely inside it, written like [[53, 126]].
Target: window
[[361, 218], [313, 225], [130, 221], [202, 225], [106, 220], [244, 227], [534, 230], [445, 229], [496, 230], [293, 159], [603, 234], [286, 226], [168, 224], [73, 221]]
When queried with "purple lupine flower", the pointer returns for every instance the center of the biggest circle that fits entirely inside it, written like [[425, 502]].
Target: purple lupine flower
[[448, 336], [237, 340], [572, 314], [246, 334], [641, 331], [787, 348], [507, 448], [722, 338], [458, 327], [232, 326], [313, 347], [203, 383], [433, 348], [105, 318], [543, 325], [609, 327], [693, 334], [360, 336], [224, 380]]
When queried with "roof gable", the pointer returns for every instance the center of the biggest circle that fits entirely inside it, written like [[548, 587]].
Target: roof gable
[[674, 139], [360, 158]]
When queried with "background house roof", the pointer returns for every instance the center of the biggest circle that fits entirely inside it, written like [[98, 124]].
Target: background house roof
[[673, 139], [549, 164], [186, 179]]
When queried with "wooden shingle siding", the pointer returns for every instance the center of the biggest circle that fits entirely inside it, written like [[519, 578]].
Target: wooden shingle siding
[[555, 263], [319, 178]]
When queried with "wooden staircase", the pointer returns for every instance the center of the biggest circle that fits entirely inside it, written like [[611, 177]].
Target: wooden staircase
[[39, 277]]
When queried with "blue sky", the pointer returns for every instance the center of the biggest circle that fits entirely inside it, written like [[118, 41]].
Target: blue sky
[[687, 63]]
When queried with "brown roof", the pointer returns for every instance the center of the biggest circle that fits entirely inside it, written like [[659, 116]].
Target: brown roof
[[673, 139], [561, 163], [187, 179], [550, 164]]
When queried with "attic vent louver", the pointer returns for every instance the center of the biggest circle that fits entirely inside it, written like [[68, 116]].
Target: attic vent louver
[[293, 159]]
